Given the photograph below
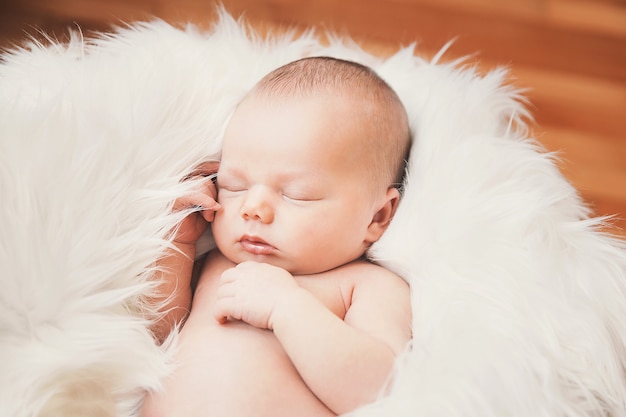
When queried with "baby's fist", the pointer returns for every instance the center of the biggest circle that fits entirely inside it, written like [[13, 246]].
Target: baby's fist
[[251, 291]]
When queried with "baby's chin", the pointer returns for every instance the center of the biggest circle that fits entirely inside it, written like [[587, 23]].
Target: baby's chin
[[240, 256], [292, 266]]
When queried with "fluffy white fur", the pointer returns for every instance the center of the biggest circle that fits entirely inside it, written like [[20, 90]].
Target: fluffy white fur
[[519, 301]]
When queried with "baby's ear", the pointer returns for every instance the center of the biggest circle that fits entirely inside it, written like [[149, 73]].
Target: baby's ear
[[383, 216]]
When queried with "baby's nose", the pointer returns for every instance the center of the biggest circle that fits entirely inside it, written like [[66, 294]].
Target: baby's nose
[[258, 206]]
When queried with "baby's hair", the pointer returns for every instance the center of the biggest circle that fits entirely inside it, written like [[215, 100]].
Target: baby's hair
[[380, 106]]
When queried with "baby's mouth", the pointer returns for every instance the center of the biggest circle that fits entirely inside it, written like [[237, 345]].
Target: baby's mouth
[[256, 245]]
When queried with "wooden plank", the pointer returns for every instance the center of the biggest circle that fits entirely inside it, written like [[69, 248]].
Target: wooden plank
[[112, 11], [571, 54], [603, 17], [582, 154], [590, 104], [595, 165], [506, 41]]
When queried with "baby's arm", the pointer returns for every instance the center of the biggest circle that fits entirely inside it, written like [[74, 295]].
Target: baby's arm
[[347, 363], [344, 362], [173, 294], [175, 267]]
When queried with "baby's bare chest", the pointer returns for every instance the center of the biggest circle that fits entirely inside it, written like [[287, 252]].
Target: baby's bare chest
[[244, 370]]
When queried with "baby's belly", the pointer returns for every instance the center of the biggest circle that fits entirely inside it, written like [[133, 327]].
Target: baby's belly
[[238, 370]]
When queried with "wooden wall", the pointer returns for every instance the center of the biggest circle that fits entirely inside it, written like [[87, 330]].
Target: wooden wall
[[570, 54]]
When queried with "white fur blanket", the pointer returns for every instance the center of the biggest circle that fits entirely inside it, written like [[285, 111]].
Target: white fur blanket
[[519, 301]]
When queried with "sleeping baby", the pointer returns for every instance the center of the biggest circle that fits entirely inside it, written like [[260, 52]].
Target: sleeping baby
[[288, 317]]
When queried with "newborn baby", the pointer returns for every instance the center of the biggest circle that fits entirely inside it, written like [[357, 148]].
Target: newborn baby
[[288, 317]]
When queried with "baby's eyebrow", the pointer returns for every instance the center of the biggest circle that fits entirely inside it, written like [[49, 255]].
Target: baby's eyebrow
[[280, 177], [230, 171], [299, 173]]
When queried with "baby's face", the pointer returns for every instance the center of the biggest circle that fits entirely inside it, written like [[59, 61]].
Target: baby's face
[[292, 186]]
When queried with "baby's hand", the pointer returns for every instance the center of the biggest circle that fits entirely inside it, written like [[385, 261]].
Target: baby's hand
[[194, 225], [251, 291]]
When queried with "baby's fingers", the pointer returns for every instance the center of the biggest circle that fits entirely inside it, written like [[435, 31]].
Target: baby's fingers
[[220, 317], [206, 201], [208, 188], [222, 310], [205, 169], [196, 199], [226, 302]]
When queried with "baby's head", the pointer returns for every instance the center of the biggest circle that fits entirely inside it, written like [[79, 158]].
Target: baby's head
[[311, 162], [384, 139]]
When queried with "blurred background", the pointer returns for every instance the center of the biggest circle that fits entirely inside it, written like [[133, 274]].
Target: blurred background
[[569, 54]]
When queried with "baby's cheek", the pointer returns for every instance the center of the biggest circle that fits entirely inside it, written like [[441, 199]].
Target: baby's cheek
[[315, 233], [218, 227], [227, 216]]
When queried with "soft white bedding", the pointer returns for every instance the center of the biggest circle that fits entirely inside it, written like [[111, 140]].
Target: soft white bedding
[[519, 302]]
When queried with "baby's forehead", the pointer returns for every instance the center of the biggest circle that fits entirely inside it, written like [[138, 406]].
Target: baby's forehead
[[329, 92], [315, 111], [334, 126]]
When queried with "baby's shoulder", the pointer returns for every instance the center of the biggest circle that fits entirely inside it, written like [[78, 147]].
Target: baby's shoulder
[[365, 281], [365, 273], [380, 304]]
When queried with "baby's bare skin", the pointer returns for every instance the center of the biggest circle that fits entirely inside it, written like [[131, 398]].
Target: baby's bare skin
[[301, 189], [235, 369]]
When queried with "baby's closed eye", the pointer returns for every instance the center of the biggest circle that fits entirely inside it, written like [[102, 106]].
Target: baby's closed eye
[[300, 195], [232, 189], [224, 184]]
